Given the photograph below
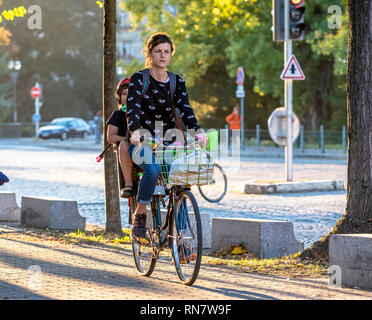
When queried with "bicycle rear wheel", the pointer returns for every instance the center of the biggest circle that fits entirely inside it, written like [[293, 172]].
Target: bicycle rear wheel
[[216, 190], [143, 249], [186, 238]]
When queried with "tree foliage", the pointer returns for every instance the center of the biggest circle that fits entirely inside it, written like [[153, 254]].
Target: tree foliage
[[65, 57], [215, 37], [5, 88]]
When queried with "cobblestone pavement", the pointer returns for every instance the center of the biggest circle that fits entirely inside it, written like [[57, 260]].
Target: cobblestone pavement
[[36, 170], [44, 269]]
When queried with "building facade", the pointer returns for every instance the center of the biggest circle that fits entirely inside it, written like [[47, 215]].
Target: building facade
[[129, 44]]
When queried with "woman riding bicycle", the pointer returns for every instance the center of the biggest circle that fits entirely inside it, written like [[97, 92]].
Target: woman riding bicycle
[[154, 106]]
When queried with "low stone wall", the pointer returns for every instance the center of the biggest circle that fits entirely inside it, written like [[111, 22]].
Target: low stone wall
[[350, 260], [265, 238], [9, 210], [52, 213]]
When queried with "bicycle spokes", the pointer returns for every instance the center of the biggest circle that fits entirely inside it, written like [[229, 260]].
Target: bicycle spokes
[[144, 253]]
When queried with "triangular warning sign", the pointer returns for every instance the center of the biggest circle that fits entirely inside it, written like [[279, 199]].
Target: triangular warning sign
[[292, 70]]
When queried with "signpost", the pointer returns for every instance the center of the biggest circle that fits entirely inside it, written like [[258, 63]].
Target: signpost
[[36, 93], [240, 94], [277, 126], [292, 71]]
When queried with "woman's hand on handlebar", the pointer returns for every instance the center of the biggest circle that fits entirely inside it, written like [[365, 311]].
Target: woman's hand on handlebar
[[135, 138], [202, 139]]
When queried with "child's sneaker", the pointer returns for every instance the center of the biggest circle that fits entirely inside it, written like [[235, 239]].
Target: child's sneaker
[[139, 225]]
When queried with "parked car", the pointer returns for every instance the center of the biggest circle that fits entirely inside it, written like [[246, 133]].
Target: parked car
[[65, 128]]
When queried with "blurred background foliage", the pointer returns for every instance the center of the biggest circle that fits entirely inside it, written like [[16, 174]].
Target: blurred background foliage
[[213, 38]]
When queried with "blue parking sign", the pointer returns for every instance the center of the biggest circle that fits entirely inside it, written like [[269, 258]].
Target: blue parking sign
[[36, 118]]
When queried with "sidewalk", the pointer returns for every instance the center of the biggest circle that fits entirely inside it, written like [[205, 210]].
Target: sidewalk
[[90, 144], [40, 267]]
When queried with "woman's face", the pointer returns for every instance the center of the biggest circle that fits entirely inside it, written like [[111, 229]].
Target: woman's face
[[161, 55], [124, 96]]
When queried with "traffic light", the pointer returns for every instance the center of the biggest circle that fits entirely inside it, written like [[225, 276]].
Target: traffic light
[[295, 20], [278, 20]]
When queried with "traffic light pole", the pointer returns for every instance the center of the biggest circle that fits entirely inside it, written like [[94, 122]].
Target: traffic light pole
[[288, 99]]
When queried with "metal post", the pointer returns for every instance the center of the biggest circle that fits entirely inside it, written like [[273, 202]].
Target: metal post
[[288, 98], [37, 112], [242, 143], [302, 139], [343, 139], [258, 142], [14, 76], [321, 138]]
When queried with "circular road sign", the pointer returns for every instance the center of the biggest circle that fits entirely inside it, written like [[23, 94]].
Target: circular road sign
[[35, 92], [277, 126], [240, 76]]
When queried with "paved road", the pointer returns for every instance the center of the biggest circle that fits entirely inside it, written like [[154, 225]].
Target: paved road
[[35, 169], [39, 268]]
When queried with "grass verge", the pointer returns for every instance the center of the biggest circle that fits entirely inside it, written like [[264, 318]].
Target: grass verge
[[236, 257], [288, 266]]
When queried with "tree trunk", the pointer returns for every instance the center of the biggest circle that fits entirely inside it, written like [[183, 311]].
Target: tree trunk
[[112, 200], [358, 214]]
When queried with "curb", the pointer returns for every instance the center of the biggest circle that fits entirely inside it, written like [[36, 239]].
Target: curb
[[291, 187]]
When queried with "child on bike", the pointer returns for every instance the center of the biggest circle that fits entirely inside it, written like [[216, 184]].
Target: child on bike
[[117, 133]]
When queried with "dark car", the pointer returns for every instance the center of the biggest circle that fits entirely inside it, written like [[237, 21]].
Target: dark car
[[65, 128]]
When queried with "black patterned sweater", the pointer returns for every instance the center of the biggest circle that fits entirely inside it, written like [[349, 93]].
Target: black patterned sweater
[[156, 105]]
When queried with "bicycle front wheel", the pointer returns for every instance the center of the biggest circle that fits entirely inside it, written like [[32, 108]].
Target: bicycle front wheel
[[186, 238], [216, 189], [143, 249]]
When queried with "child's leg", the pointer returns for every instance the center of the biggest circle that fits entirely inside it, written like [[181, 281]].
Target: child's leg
[[126, 163]]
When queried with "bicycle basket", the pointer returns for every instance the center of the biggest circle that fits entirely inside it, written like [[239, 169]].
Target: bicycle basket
[[191, 167]]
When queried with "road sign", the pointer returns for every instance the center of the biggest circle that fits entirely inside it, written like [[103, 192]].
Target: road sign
[[36, 118], [240, 76], [292, 70], [277, 126], [35, 92], [240, 93]]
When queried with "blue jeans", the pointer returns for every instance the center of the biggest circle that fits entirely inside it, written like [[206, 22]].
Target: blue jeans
[[151, 168]]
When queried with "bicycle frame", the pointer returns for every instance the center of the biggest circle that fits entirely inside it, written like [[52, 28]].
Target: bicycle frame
[[160, 226]]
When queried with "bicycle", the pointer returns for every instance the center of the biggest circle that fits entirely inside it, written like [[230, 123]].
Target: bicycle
[[178, 227]]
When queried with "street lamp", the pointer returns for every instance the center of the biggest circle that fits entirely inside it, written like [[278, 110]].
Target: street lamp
[[14, 67]]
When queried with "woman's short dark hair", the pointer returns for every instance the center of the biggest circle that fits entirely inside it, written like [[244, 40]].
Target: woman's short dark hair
[[154, 40]]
